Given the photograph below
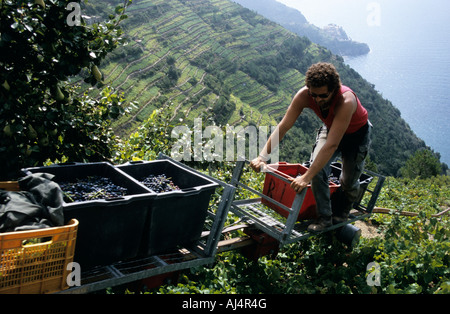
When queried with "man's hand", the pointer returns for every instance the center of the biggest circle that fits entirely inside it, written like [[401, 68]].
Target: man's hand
[[299, 184], [256, 163]]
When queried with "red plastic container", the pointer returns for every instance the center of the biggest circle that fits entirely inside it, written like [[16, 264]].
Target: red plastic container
[[282, 192]]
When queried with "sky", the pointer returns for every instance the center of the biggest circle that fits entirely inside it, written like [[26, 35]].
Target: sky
[[367, 13]]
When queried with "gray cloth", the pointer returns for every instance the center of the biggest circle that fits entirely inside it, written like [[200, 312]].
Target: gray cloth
[[39, 204]]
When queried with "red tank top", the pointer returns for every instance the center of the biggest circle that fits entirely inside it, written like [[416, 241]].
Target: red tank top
[[359, 118]]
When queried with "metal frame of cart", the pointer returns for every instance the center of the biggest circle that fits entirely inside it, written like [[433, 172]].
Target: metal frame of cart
[[289, 231], [203, 253]]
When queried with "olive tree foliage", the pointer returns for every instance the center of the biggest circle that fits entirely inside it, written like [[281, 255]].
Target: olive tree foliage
[[43, 44], [423, 164]]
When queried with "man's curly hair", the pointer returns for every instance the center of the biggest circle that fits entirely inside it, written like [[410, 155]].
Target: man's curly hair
[[323, 74]]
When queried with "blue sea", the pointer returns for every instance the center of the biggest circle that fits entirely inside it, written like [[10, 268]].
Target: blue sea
[[409, 62]]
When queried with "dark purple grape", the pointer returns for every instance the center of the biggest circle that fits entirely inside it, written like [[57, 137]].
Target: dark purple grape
[[91, 188], [334, 180], [159, 183]]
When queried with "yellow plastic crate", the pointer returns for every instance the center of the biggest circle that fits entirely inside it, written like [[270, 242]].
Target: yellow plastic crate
[[9, 185], [35, 262]]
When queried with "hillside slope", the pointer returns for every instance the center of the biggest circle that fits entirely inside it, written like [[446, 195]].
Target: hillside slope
[[293, 20], [221, 62]]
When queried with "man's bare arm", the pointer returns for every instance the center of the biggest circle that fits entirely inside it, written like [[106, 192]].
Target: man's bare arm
[[299, 102]]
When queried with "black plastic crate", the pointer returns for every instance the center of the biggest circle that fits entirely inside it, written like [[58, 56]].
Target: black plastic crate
[[110, 230], [176, 217]]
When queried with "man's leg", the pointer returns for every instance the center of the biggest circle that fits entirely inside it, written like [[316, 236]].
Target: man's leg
[[320, 186], [352, 168]]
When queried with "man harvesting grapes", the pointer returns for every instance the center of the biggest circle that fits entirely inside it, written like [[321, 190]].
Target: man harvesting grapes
[[346, 132]]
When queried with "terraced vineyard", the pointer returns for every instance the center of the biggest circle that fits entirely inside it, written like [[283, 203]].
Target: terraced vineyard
[[216, 60], [190, 53]]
